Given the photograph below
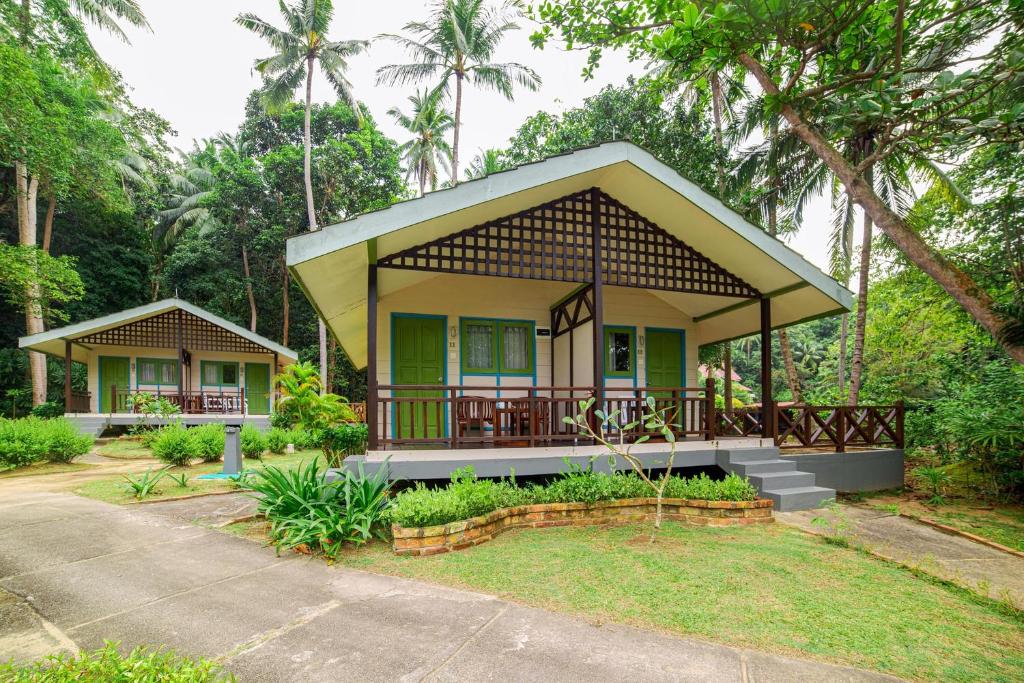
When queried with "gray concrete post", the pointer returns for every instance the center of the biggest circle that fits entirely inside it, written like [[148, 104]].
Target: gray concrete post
[[232, 450]]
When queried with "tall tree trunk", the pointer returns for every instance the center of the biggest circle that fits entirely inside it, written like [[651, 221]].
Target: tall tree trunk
[[857, 366], [727, 376], [307, 169], [458, 127], [958, 284], [285, 302], [51, 208], [792, 378], [248, 289], [27, 194], [716, 109], [844, 333]]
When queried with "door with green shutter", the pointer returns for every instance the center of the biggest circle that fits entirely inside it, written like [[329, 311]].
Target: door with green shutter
[[114, 372], [257, 388], [418, 357], [665, 363]]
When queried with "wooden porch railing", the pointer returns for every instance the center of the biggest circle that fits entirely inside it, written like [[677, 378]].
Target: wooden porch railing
[[461, 416], [226, 402], [80, 402], [835, 427]]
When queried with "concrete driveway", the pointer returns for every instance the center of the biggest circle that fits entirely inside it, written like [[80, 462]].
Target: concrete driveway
[[75, 572]]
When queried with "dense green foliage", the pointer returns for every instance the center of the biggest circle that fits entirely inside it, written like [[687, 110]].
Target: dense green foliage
[[175, 445], [30, 439], [306, 510], [108, 664], [253, 442], [467, 496]]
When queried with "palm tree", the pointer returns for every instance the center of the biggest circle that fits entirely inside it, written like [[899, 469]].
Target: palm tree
[[486, 162], [428, 123], [297, 50], [458, 41]]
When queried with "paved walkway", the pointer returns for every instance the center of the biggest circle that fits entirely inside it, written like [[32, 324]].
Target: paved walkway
[[74, 572], [988, 570]]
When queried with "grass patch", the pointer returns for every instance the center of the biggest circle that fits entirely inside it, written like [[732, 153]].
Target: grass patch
[[771, 588], [125, 448], [1000, 523], [45, 468], [113, 489]]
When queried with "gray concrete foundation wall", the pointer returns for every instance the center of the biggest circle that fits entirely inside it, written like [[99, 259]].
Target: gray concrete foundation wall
[[853, 471]]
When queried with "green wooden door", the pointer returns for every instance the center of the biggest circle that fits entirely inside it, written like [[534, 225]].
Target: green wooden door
[[257, 388], [114, 372], [418, 358], [665, 366]]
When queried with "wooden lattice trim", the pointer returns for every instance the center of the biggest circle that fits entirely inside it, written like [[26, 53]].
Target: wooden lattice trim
[[161, 331], [554, 241]]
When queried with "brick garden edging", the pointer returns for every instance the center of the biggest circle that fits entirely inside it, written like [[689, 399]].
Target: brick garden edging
[[443, 538]]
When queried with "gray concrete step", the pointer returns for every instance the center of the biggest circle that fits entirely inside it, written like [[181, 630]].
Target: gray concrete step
[[747, 454], [800, 498], [773, 481], [745, 469]]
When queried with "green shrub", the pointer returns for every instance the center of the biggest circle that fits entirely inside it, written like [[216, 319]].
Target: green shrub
[[30, 439], [148, 435], [279, 421], [175, 445], [466, 496], [107, 664], [342, 440], [22, 442], [48, 409], [277, 440], [303, 508], [300, 438], [209, 441], [65, 442], [253, 442]]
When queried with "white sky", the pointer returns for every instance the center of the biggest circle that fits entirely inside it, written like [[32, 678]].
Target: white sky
[[195, 70]]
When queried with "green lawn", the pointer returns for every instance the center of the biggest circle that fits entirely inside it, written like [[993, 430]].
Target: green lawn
[[124, 449], [45, 468], [113, 489], [771, 588]]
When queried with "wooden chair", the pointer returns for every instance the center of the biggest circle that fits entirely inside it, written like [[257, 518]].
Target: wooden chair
[[473, 412]]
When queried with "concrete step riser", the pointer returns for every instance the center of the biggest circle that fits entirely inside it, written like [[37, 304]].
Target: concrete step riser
[[808, 500], [746, 469], [748, 454], [782, 480]]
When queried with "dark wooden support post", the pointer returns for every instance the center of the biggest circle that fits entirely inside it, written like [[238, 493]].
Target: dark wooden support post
[[710, 416], [371, 356], [181, 360], [273, 389], [767, 404], [67, 376], [901, 411], [597, 298]]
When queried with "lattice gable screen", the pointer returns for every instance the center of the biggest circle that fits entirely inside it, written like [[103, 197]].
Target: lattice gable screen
[[161, 331], [554, 241]]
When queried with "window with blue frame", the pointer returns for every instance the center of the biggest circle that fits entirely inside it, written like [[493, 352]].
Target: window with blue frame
[[497, 347]]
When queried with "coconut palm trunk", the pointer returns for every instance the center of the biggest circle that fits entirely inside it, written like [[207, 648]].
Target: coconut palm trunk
[[860, 322], [458, 127], [307, 171], [792, 378], [248, 289]]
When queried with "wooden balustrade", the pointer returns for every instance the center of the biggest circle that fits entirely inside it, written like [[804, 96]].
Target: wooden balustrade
[[80, 402], [839, 427], [461, 416], [227, 402]]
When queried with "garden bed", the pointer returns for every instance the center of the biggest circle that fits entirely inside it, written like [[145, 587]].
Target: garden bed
[[432, 540]]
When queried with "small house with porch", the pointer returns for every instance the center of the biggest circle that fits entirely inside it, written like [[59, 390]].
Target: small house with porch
[[485, 312], [208, 367]]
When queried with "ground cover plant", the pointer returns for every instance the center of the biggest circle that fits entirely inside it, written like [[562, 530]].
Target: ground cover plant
[[115, 488], [305, 510], [28, 440], [467, 496], [812, 599], [107, 664]]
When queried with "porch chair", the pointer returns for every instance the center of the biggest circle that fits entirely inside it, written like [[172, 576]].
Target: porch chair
[[473, 412]]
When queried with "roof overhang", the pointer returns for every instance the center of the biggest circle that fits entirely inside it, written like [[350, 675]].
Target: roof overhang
[[331, 264], [53, 341]]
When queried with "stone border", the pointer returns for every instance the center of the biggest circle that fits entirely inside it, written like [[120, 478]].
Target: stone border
[[432, 540]]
